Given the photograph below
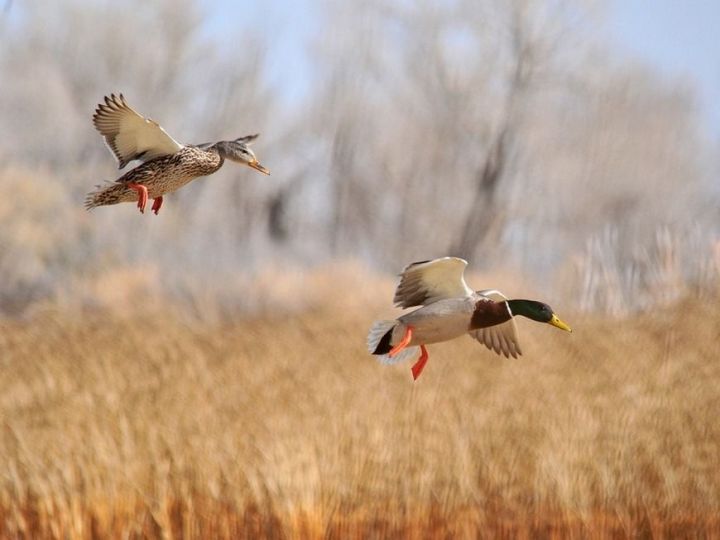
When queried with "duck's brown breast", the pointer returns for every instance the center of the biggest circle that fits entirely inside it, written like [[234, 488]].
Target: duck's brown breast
[[489, 313], [169, 173]]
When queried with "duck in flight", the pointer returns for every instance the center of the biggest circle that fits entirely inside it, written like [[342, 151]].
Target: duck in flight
[[166, 164], [449, 309]]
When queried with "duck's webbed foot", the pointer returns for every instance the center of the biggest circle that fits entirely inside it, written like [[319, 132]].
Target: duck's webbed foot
[[157, 203], [142, 196], [420, 364]]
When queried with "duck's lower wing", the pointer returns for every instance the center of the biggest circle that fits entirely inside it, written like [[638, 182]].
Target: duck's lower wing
[[501, 338]]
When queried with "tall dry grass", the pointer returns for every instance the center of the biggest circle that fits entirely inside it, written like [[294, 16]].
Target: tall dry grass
[[157, 425]]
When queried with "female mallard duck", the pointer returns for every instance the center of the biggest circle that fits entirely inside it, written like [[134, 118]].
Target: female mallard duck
[[449, 310], [167, 164]]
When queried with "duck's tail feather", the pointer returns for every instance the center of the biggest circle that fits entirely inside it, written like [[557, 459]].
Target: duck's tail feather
[[110, 193], [379, 343]]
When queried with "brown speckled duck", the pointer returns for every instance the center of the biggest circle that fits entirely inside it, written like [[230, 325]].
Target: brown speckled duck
[[449, 310], [166, 164]]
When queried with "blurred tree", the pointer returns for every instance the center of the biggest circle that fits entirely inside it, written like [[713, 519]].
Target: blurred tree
[[483, 222], [435, 87], [495, 130]]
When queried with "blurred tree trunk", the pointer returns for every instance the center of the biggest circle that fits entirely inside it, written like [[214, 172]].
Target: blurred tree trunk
[[485, 220], [341, 167]]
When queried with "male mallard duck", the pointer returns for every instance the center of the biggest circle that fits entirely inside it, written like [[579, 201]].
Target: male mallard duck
[[167, 164], [449, 310]]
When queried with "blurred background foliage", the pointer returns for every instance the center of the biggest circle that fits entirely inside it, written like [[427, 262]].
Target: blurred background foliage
[[504, 132]]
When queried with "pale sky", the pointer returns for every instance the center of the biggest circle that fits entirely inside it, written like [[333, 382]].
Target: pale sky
[[678, 38]]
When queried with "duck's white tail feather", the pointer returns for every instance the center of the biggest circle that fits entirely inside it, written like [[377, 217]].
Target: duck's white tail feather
[[379, 343], [408, 353], [377, 332]]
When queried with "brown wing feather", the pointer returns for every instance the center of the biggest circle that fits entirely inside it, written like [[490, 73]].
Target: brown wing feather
[[501, 338], [128, 134], [425, 282]]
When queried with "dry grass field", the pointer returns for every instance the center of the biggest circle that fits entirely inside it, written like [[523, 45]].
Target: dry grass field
[[203, 373], [282, 426]]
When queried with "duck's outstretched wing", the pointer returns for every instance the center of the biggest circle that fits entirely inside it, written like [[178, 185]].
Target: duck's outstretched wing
[[425, 282], [130, 135], [501, 338]]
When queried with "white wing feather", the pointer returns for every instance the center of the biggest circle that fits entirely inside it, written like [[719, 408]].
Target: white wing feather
[[425, 282], [130, 135]]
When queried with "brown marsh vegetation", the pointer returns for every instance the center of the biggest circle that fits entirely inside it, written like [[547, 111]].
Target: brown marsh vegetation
[[154, 425]]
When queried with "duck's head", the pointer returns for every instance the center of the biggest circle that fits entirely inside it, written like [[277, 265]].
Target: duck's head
[[240, 152], [537, 311]]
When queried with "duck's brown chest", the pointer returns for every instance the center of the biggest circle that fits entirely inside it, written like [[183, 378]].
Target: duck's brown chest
[[169, 173], [488, 313]]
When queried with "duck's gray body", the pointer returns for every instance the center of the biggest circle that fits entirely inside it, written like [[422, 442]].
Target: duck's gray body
[[440, 321]]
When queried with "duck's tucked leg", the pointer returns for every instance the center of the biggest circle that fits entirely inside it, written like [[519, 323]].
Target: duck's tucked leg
[[420, 364], [403, 342], [157, 203], [142, 195]]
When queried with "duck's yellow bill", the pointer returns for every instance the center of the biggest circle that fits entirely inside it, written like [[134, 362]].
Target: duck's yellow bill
[[256, 165], [555, 321]]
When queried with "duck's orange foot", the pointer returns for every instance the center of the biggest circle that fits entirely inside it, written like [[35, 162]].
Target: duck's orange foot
[[420, 364], [403, 342], [142, 195], [157, 203]]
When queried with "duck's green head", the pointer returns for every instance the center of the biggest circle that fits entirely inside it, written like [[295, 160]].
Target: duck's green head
[[537, 311]]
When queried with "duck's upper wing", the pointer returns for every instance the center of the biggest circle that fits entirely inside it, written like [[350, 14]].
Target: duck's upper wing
[[130, 135], [425, 282], [501, 338]]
